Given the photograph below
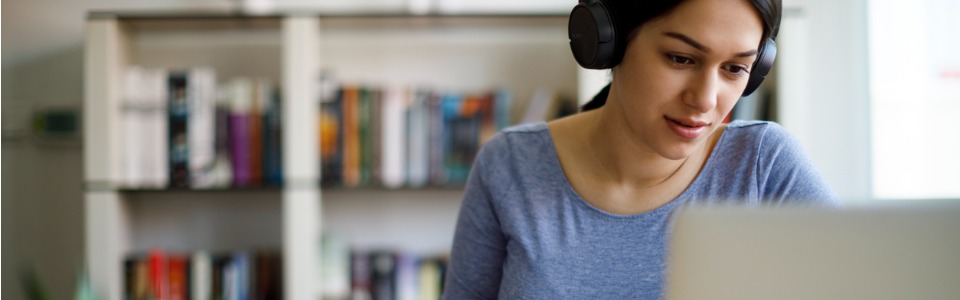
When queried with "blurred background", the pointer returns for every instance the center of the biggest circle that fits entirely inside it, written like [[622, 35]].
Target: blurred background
[[870, 87]]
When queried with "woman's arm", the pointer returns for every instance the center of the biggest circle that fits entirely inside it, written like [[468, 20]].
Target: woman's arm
[[479, 246]]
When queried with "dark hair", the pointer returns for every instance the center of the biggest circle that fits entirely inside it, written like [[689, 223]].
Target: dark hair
[[629, 15]]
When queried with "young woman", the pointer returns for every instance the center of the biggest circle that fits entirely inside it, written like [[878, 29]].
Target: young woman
[[579, 208]]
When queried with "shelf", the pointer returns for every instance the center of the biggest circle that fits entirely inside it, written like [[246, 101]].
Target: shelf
[[460, 52], [215, 15]]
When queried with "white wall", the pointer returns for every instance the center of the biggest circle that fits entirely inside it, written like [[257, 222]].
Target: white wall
[[823, 93], [42, 189]]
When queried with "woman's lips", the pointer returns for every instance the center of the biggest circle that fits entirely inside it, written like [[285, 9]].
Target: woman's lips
[[689, 129]]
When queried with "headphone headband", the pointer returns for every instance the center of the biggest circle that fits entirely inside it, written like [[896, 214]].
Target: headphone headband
[[596, 42]]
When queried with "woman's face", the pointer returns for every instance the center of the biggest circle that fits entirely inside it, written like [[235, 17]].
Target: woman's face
[[682, 73]]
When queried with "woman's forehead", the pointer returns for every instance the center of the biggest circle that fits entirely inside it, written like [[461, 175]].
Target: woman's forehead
[[714, 23]]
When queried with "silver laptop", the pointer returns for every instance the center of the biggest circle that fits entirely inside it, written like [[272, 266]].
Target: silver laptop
[[904, 250]]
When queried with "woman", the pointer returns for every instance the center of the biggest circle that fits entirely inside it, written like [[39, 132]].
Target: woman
[[579, 208]]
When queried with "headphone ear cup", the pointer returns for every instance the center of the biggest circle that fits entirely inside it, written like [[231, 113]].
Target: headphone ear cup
[[762, 66], [593, 36]]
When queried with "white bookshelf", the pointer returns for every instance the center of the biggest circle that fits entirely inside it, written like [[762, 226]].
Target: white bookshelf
[[462, 53]]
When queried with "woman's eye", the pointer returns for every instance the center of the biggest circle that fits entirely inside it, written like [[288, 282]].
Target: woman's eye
[[736, 69], [680, 60]]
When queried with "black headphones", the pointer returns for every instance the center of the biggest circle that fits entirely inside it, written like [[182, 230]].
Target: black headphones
[[597, 43]]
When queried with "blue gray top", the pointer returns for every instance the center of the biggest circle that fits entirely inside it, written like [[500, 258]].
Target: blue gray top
[[524, 233]]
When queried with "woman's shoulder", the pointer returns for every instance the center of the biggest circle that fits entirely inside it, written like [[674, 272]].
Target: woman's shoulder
[[520, 147], [742, 132], [519, 138]]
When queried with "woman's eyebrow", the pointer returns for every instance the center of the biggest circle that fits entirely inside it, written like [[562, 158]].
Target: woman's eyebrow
[[697, 45]]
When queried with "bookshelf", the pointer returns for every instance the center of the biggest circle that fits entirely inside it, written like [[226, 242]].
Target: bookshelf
[[451, 52]]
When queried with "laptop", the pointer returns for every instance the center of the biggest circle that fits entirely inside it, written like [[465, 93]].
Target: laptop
[[902, 250]]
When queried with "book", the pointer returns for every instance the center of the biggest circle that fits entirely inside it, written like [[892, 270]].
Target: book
[[336, 264], [260, 97], [331, 137], [177, 274], [201, 126], [360, 276], [418, 138], [241, 102], [393, 145], [268, 280], [201, 281], [383, 275], [157, 274], [352, 140], [407, 276], [273, 141], [133, 114], [222, 173], [179, 112], [367, 97], [154, 140]]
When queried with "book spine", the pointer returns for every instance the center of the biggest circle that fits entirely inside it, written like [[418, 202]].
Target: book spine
[[177, 278], [223, 168], [363, 123], [394, 146], [360, 276], [200, 276], [133, 128], [158, 274], [202, 126], [331, 138], [375, 140], [351, 137], [240, 156], [156, 161], [418, 139], [273, 143], [178, 138], [383, 275], [255, 130]]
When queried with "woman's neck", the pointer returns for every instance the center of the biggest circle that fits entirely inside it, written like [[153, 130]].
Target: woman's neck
[[625, 161]]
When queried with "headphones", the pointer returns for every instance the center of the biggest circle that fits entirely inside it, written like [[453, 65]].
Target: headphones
[[597, 43]]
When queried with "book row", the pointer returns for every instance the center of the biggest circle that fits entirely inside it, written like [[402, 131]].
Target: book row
[[184, 129], [399, 136], [176, 276], [187, 129], [347, 274], [379, 274]]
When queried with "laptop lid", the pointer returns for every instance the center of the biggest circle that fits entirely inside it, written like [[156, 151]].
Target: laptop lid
[[894, 251]]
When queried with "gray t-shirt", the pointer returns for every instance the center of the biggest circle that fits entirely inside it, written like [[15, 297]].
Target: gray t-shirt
[[524, 233]]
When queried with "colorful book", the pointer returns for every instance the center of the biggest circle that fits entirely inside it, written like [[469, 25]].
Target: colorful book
[[157, 270], [351, 136], [241, 94], [273, 141], [331, 138], [178, 140], [177, 274]]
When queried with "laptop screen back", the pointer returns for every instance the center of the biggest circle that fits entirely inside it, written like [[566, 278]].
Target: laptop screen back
[[907, 251]]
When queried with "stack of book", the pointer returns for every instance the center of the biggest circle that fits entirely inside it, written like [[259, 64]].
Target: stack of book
[[183, 129], [399, 136], [239, 275]]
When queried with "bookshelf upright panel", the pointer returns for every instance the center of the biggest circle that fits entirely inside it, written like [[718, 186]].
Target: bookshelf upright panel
[[301, 196], [105, 211]]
